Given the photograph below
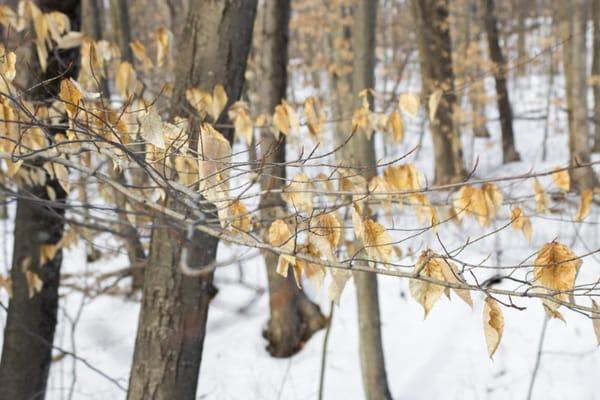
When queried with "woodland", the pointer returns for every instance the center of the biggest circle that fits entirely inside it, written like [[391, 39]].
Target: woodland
[[299, 199]]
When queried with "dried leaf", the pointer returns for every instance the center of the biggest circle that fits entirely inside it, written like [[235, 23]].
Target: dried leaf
[[325, 233], [434, 102], [452, 275], [521, 222], [162, 36], [285, 119], [70, 95], [396, 125], [239, 216], [339, 278], [584, 206], [377, 242], [242, 123], [214, 153], [126, 79], [152, 129], [219, 101], [555, 268], [561, 179], [426, 293], [541, 198], [34, 283], [315, 119], [493, 325], [297, 194], [596, 320], [6, 283], [409, 103]]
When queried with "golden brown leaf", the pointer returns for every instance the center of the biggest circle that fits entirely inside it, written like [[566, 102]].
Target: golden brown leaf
[[493, 325], [561, 179], [584, 206], [126, 79], [239, 216], [555, 268], [315, 119], [297, 194], [325, 233], [434, 102], [285, 119], [409, 103], [377, 242], [218, 102], [242, 123], [426, 293], [521, 222], [70, 95], [6, 283], [541, 198], [396, 125]]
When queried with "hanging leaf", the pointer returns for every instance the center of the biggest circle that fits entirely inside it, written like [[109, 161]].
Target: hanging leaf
[[452, 275], [298, 193], [561, 179], [285, 119], [214, 153], [162, 36], [70, 95], [584, 206], [152, 129], [426, 293], [541, 198], [139, 52], [126, 79], [325, 233], [242, 123], [402, 177], [377, 242], [396, 126], [434, 102], [493, 325], [239, 216], [555, 268], [521, 222], [409, 104], [339, 278], [596, 320], [280, 235], [219, 101], [6, 284], [315, 119]]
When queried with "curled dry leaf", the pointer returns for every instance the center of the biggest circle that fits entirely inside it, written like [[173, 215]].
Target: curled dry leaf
[[6, 284], [281, 236], [555, 268], [242, 123], [425, 212], [426, 293], [70, 95], [409, 104], [339, 278], [325, 233], [452, 275], [239, 216], [152, 129], [541, 198], [584, 206], [126, 79], [482, 203], [377, 242], [402, 177], [214, 152], [285, 119], [298, 193], [395, 124], [434, 102], [561, 179], [315, 119], [596, 320], [493, 325], [313, 272], [521, 222]]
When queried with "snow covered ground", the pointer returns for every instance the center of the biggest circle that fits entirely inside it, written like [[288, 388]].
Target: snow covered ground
[[442, 357]]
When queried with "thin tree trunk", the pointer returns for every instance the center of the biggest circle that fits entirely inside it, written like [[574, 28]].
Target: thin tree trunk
[[476, 86], [573, 17], [119, 11], [293, 317], [360, 152], [596, 72], [172, 324], [509, 152], [31, 322], [435, 56], [91, 18]]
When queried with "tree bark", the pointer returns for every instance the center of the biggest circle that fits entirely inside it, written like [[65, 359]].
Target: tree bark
[[293, 317], [509, 152], [435, 56], [360, 152], [31, 322], [596, 72], [119, 11], [573, 17], [172, 324]]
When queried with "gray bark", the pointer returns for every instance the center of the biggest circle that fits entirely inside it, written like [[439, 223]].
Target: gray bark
[[435, 59], [596, 72], [31, 323], [172, 324], [573, 17], [293, 317]]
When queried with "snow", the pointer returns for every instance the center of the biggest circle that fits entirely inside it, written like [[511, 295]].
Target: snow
[[441, 357]]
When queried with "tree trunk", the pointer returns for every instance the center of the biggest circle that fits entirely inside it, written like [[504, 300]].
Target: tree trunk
[[91, 18], [119, 11], [435, 59], [596, 73], [573, 18], [172, 324], [31, 322], [509, 152], [293, 317], [476, 89], [360, 152]]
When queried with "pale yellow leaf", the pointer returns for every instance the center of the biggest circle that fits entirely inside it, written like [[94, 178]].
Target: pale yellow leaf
[[152, 129], [561, 179], [239, 216], [434, 102], [219, 101], [339, 278], [426, 293], [541, 198], [298, 193], [584, 206], [409, 103], [315, 119], [126, 79], [377, 242], [70, 95], [396, 125], [493, 325], [452, 275]]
